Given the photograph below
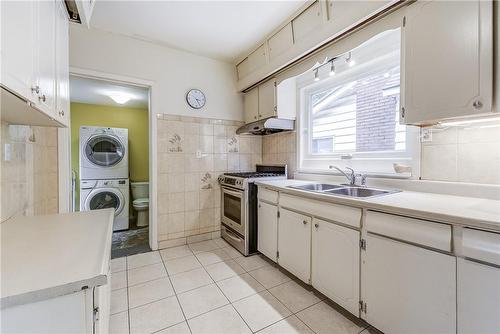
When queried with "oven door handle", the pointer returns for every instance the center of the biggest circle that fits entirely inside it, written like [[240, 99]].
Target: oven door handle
[[233, 236], [231, 192]]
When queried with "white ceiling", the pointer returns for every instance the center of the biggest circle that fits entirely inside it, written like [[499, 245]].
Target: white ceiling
[[223, 30], [91, 91]]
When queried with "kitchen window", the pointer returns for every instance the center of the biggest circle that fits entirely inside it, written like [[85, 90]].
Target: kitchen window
[[350, 111]]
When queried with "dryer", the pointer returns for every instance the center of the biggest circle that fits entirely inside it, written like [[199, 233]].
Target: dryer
[[102, 194], [103, 153]]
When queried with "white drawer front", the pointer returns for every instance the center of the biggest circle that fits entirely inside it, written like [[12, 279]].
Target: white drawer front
[[334, 212], [481, 245], [267, 195], [435, 235]]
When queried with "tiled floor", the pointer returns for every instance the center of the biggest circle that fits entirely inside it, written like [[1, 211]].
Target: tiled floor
[[208, 287]]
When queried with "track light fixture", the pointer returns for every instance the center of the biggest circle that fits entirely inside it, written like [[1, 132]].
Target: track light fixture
[[349, 61], [316, 75], [332, 68]]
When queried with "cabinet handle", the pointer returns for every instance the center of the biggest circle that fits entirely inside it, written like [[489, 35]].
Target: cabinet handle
[[255, 117], [61, 113], [316, 225], [403, 112], [42, 98], [35, 89], [477, 104], [304, 222]]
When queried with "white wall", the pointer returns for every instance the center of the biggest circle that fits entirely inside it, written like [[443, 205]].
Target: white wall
[[174, 72]]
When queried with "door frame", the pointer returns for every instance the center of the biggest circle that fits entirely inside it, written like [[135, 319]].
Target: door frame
[[64, 151]]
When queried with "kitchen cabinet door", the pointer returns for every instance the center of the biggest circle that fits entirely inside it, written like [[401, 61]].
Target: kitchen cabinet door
[[16, 48], [307, 21], [267, 231], [294, 243], [447, 61], [45, 67], [280, 42], [267, 99], [335, 263], [62, 64], [408, 289], [251, 105]]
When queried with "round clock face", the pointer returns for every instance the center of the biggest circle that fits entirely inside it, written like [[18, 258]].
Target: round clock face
[[195, 98]]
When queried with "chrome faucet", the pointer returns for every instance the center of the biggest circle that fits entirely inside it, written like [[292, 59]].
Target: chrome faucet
[[352, 177]]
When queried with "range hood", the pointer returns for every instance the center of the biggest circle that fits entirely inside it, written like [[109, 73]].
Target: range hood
[[266, 126]]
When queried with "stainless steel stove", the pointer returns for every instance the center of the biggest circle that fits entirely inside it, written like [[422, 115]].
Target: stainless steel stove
[[239, 205]]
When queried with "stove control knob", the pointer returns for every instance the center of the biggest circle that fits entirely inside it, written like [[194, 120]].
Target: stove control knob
[[221, 179], [239, 182]]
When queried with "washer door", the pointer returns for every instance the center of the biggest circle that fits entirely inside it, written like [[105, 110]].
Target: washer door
[[104, 150], [104, 198]]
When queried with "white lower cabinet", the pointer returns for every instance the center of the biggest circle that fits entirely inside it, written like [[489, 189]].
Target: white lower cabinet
[[267, 232], [294, 243], [408, 289], [335, 263]]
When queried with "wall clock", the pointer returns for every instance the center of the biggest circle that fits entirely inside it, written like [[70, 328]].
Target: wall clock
[[195, 98]]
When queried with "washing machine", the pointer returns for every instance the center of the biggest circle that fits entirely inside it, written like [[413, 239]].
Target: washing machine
[[102, 194], [103, 153]]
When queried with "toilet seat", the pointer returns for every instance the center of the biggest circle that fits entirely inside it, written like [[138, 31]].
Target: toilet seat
[[141, 203]]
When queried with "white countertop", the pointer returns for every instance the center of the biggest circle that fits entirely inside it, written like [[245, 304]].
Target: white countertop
[[459, 210], [48, 256]]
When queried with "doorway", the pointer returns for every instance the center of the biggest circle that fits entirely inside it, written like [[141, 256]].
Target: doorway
[[110, 162]]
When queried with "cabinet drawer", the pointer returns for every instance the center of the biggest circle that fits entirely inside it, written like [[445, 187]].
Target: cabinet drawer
[[430, 234], [267, 195], [481, 245], [339, 213]]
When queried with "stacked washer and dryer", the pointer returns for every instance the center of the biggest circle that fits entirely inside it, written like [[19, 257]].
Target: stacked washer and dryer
[[104, 173]]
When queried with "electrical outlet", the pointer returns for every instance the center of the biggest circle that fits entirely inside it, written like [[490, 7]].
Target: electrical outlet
[[198, 154], [425, 135]]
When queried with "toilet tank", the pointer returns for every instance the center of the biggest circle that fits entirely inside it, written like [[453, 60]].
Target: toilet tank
[[139, 190]]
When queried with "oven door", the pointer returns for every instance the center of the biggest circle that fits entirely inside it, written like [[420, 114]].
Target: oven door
[[233, 209]]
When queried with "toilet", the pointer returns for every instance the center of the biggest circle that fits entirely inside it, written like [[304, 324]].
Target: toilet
[[140, 197]]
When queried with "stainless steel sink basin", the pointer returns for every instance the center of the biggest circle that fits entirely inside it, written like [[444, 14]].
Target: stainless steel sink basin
[[358, 192], [319, 187], [343, 190]]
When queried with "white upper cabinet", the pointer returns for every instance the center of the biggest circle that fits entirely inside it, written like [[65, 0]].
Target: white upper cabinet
[[62, 64], [267, 238], [294, 243], [267, 99], [307, 21], [447, 60], [280, 42], [254, 61], [335, 263], [45, 58], [18, 42], [251, 105]]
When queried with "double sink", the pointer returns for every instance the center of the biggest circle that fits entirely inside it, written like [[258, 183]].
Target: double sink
[[343, 190]]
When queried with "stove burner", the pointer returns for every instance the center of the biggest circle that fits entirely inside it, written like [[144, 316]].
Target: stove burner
[[247, 175]]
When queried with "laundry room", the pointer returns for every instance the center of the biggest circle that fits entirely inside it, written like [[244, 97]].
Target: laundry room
[[110, 157]]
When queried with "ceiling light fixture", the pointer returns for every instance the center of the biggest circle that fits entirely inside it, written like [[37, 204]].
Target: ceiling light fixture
[[470, 121], [349, 61], [316, 75], [120, 97], [332, 69]]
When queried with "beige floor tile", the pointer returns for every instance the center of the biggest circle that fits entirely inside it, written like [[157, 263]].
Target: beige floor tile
[[223, 270], [182, 264], [155, 316], [251, 262], [118, 323], [118, 280], [203, 246], [290, 325], [181, 328], [190, 280], [201, 300], [269, 276], [323, 319], [144, 259], [294, 296], [118, 264], [151, 291], [233, 252], [213, 256], [119, 301], [221, 242], [146, 273], [241, 286], [261, 310], [175, 252], [224, 320]]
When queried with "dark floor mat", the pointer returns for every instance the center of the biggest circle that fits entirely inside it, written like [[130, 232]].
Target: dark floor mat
[[130, 242]]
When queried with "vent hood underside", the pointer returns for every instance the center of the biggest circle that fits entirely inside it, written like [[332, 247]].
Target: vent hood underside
[[266, 126]]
